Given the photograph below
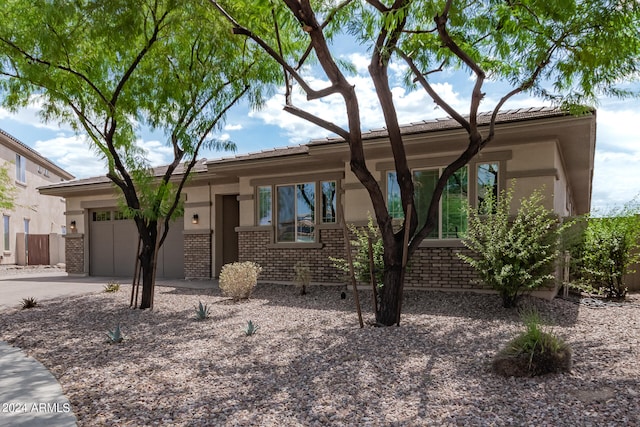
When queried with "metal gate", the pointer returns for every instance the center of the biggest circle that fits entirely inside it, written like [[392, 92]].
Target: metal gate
[[37, 249]]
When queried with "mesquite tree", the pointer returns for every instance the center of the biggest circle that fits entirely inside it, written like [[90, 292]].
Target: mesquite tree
[[569, 52], [109, 66]]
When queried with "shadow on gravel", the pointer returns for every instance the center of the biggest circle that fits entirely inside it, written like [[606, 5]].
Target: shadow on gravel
[[298, 372]]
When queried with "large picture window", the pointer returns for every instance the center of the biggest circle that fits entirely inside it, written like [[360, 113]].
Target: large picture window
[[296, 213], [452, 218]]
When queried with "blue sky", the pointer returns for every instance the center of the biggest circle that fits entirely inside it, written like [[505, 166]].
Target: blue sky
[[617, 161]]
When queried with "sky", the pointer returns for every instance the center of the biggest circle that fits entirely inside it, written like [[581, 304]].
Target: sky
[[617, 160]]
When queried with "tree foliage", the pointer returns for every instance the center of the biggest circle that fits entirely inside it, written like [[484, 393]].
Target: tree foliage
[[109, 67], [609, 248], [568, 52], [516, 255]]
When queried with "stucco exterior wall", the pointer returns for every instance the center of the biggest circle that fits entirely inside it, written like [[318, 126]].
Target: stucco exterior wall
[[44, 214]]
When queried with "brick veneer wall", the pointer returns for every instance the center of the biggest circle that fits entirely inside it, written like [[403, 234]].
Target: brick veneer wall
[[429, 267], [277, 263], [440, 267], [74, 253], [197, 256]]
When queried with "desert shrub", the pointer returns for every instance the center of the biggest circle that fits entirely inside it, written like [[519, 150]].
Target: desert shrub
[[533, 352], [111, 287], [30, 302], [238, 279], [361, 256], [610, 247], [513, 257], [202, 311], [251, 328], [303, 276], [116, 336]]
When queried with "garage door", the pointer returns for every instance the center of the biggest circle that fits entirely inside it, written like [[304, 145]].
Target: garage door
[[113, 241]]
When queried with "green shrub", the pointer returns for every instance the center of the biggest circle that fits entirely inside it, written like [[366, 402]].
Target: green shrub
[[303, 276], [111, 287], [30, 302], [361, 257], [516, 256], [533, 352], [238, 279], [610, 247]]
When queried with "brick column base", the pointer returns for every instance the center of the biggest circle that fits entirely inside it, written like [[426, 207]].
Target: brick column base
[[74, 253], [197, 256]]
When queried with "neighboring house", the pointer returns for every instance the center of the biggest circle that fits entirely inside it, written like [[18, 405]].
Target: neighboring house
[[32, 230], [285, 205]]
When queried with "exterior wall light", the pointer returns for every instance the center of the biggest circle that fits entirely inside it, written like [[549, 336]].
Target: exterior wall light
[[73, 226], [195, 219]]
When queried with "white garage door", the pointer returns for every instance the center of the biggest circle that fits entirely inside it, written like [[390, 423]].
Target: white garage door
[[113, 241]]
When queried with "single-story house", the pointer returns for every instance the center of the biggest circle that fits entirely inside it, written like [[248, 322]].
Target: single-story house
[[32, 229], [280, 206]]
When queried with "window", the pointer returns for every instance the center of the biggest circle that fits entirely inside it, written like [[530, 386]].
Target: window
[[7, 238], [328, 201], [264, 205], [487, 183], [102, 216], [296, 213], [452, 218], [21, 168]]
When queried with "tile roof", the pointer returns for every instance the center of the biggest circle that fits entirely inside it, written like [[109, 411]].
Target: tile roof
[[447, 123], [412, 128], [103, 179]]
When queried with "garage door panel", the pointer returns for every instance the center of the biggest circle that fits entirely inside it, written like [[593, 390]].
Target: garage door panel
[[125, 237], [113, 245], [101, 249], [171, 256]]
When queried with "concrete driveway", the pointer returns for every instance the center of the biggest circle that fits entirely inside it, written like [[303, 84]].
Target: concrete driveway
[[45, 285], [48, 284]]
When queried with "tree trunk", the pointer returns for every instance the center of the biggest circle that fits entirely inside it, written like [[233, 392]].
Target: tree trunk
[[389, 296], [147, 264], [149, 234]]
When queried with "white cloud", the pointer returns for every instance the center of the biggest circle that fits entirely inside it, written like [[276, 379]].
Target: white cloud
[[411, 106], [72, 154], [233, 127], [30, 115], [616, 175], [157, 153]]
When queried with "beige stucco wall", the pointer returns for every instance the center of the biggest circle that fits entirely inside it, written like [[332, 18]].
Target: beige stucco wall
[[44, 213]]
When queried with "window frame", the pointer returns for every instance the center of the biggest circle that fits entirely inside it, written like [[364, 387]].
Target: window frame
[[296, 223], [320, 223], [6, 232], [472, 188], [21, 169]]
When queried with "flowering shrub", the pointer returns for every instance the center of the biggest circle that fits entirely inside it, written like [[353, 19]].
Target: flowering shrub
[[238, 279], [513, 256]]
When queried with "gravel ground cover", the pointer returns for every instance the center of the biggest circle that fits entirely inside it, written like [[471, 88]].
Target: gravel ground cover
[[310, 364]]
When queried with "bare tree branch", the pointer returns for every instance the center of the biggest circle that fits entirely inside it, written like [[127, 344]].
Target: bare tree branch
[[433, 94]]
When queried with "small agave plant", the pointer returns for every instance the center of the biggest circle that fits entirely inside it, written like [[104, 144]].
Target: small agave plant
[[251, 328], [29, 303], [202, 311], [115, 336]]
